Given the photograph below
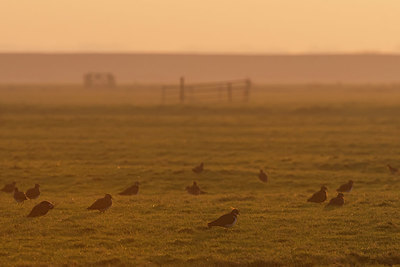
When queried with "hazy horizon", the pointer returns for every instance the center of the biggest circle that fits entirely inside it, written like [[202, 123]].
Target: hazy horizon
[[167, 68]]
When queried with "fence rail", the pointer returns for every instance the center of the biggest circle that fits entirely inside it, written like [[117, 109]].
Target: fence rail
[[232, 90]]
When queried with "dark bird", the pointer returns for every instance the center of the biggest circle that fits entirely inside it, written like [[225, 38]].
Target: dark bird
[[9, 188], [133, 190], [319, 196], [33, 192], [337, 201], [19, 196], [345, 187], [263, 176], [392, 169], [102, 204], [227, 220], [198, 169], [41, 209], [194, 189]]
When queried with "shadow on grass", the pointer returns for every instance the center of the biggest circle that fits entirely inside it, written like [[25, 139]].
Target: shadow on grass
[[357, 259], [352, 259], [109, 262], [171, 261]]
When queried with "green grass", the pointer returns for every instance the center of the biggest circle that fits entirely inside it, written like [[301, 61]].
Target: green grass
[[79, 146]]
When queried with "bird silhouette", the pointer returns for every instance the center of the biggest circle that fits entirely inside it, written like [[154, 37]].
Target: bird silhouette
[[227, 220], [393, 170], [346, 187], [102, 204], [319, 196], [198, 169], [194, 189], [19, 196], [263, 176], [33, 193], [9, 188], [41, 209], [337, 201], [133, 190]]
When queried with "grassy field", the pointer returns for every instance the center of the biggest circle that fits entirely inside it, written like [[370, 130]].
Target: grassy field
[[79, 145]]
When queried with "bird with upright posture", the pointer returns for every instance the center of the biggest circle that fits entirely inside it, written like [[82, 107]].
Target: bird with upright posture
[[9, 188], [102, 204], [392, 169], [194, 189], [198, 169], [19, 196], [263, 176], [345, 187], [337, 201], [133, 190], [227, 220], [319, 196], [33, 193], [41, 209]]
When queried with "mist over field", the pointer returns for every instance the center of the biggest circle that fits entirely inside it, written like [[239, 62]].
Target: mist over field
[[167, 68]]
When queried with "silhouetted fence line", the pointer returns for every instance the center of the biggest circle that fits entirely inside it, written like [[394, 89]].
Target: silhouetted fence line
[[229, 91]]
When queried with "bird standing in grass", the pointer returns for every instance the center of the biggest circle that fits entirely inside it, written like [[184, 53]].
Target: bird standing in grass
[[194, 189], [393, 170], [319, 196], [346, 187], [337, 201], [33, 193], [41, 209], [263, 176], [102, 204], [198, 169], [227, 220], [133, 190], [9, 188], [19, 196]]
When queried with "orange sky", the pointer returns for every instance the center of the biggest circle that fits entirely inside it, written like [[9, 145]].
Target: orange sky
[[206, 26]]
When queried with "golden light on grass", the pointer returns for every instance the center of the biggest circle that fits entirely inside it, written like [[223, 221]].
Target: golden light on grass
[[304, 137]]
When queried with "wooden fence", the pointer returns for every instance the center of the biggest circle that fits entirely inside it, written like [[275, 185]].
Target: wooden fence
[[224, 91]]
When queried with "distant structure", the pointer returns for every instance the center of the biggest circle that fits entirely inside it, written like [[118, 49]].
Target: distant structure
[[98, 79], [223, 91]]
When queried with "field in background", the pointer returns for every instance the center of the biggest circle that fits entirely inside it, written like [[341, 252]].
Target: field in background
[[267, 96], [79, 144]]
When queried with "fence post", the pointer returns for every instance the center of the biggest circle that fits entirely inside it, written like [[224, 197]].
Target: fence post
[[247, 90], [182, 90], [230, 92]]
